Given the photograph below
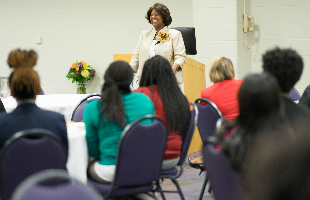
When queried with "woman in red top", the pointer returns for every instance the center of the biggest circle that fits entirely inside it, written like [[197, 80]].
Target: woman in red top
[[158, 82], [223, 93]]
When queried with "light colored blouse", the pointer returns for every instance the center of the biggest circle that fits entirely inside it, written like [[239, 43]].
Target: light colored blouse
[[152, 48]]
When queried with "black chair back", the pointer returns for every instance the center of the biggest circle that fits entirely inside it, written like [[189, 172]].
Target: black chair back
[[208, 116], [139, 158], [189, 135], [174, 173], [294, 95], [189, 38], [77, 114], [140, 142], [34, 187], [224, 180], [41, 92], [27, 152]]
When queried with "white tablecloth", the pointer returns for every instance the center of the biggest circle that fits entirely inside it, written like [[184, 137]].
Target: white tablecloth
[[61, 103], [78, 152]]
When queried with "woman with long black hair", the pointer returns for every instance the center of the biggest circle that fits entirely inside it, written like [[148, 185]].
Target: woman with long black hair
[[158, 82]]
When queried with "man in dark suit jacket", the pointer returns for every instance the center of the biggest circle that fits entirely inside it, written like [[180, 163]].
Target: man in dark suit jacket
[[28, 115]]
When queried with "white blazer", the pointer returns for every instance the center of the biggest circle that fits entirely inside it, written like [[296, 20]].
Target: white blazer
[[173, 50]]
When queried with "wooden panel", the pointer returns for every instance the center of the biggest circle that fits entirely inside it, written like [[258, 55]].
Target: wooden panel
[[122, 57], [195, 81], [194, 74]]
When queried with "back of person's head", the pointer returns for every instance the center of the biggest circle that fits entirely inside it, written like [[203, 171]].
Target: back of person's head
[[117, 79], [261, 108], [221, 69], [24, 82], [157, 71], [285, 64], [277, 166], [259, 99]]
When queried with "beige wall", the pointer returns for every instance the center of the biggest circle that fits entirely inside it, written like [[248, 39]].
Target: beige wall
[[219, 33], [94, 30], [285, 24], [88, 30]]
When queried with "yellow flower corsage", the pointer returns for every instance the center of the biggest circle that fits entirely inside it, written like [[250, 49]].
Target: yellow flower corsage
[[163, 36]]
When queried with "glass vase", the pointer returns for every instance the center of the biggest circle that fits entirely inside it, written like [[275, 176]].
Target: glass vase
[[81, 89]]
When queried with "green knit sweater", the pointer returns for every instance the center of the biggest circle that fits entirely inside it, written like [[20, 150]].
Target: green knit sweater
[[103, 136]]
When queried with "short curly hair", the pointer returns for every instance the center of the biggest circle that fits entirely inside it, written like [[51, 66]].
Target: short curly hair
[[285, 64], [162, 10]]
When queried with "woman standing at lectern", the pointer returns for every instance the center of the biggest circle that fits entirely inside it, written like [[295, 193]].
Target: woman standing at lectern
[[160, 40]]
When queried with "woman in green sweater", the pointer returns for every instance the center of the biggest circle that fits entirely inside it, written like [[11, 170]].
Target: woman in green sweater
[[105, 119]]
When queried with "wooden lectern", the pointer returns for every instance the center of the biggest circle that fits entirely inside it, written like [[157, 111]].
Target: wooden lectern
[[195, 80]]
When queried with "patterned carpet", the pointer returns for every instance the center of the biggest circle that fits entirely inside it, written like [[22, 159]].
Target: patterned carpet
[[190, 183]]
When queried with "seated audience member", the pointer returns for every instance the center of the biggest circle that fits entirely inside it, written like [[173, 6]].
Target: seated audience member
[[286, 66], [105, 119], [159, 84], [277, 167], [225, 88], [305, 98], [223, 93], [261, 108], [24, 84]]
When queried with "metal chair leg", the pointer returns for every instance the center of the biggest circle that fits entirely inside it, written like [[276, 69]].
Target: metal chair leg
[[203, 187], [160, 191], [210, 189], [178, 187]]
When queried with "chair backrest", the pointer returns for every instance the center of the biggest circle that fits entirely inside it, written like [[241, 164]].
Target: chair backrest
[[224, 180], [189, 38], [294, 95], [41, 92], [34, 187], [27, 152], [208, 116], [77, 114], [140, 153], [189, 135]]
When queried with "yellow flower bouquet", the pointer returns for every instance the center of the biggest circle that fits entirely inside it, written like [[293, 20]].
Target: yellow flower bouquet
[[81, 72]]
